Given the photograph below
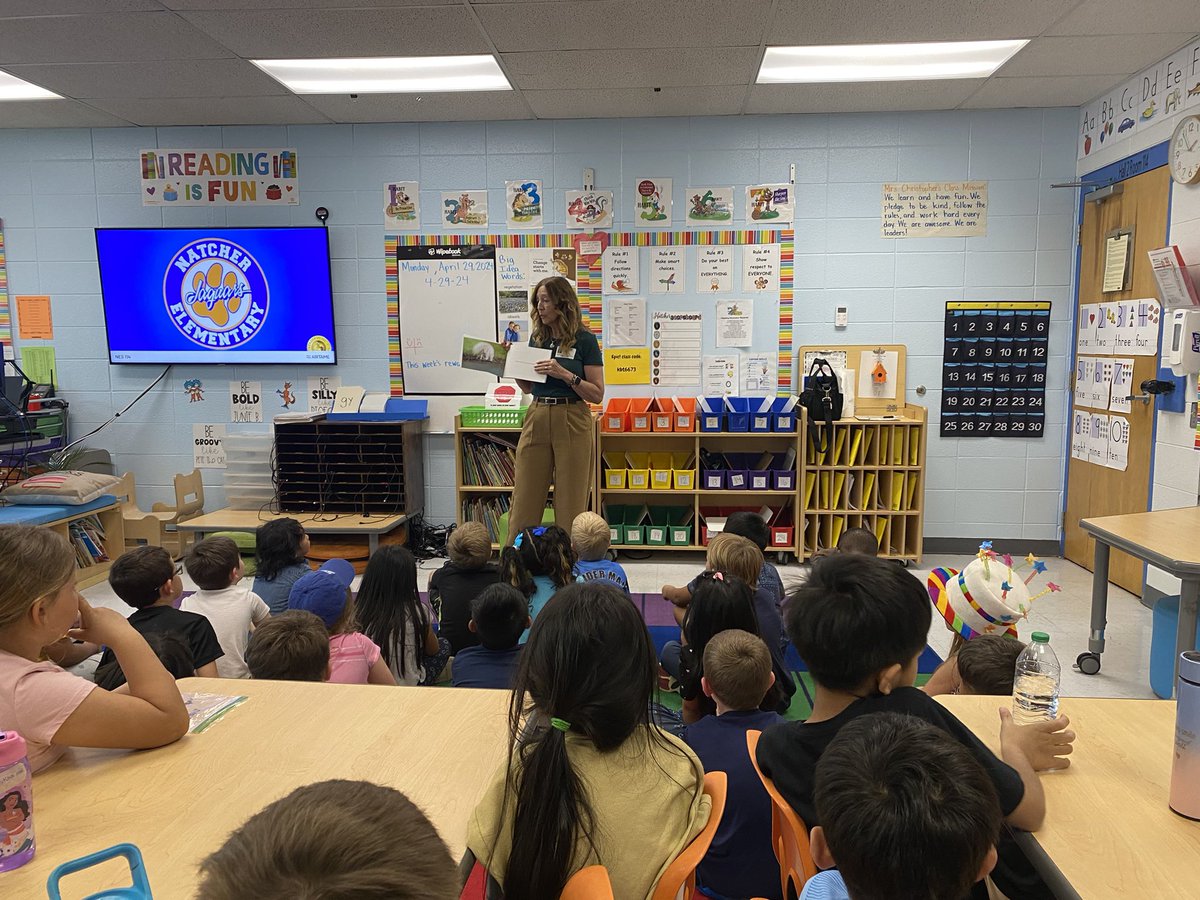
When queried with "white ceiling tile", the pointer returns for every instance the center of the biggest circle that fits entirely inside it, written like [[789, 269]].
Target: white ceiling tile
[[283, 110], [582, 69], [868, 21], [153, 78], [118, 37], [14, 8], [54, 114], [600, 103], [1116, 17], [283, 34], [600, 25], [1044, 91], [461, 107], [878, 96], [1116, 55]]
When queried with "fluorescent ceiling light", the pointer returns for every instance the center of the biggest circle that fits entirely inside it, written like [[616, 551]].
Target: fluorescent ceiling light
[[387, 75], [13, 88], [885, 62]]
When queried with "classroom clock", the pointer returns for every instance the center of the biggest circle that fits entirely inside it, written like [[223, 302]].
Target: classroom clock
[[1184, 151]]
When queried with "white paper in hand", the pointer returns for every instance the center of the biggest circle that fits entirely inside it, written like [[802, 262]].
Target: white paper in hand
[[520, 361]]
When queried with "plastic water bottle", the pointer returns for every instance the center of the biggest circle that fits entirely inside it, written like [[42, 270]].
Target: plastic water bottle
[[16, 803], [1037, 681], [1184, 797]]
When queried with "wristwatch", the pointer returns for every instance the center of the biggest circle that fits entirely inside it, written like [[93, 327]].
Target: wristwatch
[[575, 382]]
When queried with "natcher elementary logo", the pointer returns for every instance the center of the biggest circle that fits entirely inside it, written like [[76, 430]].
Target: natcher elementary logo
[[215, 293]]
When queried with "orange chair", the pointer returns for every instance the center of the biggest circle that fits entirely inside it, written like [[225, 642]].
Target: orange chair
[[679, 880], [789, 837], [589, 883]]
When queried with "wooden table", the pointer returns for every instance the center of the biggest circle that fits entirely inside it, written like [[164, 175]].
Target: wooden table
[[1108, 831], [1166, 538], [354, 524], [439, 746]]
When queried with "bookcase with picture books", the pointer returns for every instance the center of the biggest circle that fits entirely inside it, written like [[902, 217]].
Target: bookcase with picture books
[[97, 537]]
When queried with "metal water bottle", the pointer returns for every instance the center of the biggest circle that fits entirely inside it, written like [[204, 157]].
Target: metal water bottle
[[1184, 797], [16, 803]]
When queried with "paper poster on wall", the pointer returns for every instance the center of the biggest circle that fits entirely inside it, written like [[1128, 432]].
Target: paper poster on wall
[[1118, 443], [709, 204], [284, 395], [464, 209], [758, 374], [667, 270], [245, 401], [589, 210], [523, 204], [321, 391], [1084, 367], [1102, 336], [34, 321], [626, 321], [1098, 440], [934, 209], [1122, 385], [714, 270], [1085, 334], [266, 177], [40, 365], [541, 264], [760, 268], [676, 341], [1144, 315], [513, 330], [208, 446], [620, 271], [402, 206], [512, 270], [652, 197], [720, 374], [1101, 384], [770, 204], [1080, 422], [564, 262], [1116, 262], [627, 366], [735, 323]]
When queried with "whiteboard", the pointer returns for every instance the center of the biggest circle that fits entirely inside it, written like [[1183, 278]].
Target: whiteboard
[[445, 293]]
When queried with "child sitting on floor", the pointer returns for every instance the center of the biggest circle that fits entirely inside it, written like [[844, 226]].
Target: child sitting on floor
[[860, 624], [589, 780], [333, 839], [281, 547], [737, 676], [751, 526], [390, 613], [51, 708], [461, 580], [292, 646], [147, 579], [215, 564], [889, 781], [499, 616], [353, 657], [986, 664], [538, 564], [590, 539]]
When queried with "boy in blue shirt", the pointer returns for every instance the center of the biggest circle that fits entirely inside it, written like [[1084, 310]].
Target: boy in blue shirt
[[737, 675], [499, 615], [590, 539], [889, 781]]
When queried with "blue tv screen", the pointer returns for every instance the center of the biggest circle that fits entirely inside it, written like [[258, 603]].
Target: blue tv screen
[[217, 295]]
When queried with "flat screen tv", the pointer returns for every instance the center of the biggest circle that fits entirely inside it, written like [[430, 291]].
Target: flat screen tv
[[217, 295]]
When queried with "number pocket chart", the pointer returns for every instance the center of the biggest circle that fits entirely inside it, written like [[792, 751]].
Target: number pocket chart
[[994, 369]]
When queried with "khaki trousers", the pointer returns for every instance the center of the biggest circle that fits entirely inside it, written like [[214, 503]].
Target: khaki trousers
[[556, 448]]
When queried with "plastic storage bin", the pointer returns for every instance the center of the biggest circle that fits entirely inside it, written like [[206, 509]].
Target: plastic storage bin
[[639, 471], [1165, 624], [683, 471], [639, 414], [711, 414], [660, 471], [657, 532], [737, 414], [615, 471], [685, 413], [782, 420], [616, 415], [760, 414], [662, 415]]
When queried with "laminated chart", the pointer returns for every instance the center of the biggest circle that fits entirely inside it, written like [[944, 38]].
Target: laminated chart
[[675, 345]]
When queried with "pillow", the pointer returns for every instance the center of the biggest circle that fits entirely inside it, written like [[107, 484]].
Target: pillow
[[67, 488]]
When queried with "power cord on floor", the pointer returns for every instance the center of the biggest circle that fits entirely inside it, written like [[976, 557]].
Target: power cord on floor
[[426, 541]]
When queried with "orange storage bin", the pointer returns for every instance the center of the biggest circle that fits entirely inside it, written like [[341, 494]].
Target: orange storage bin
[[639, 414], [685, 413], [616, 415], [662, 415]]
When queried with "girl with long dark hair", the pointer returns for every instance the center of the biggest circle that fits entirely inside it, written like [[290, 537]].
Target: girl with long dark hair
[[280, 547], [589, 778], [539, 564]]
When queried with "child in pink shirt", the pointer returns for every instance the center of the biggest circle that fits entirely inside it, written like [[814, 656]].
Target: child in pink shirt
[[51, 708], [353, 657]]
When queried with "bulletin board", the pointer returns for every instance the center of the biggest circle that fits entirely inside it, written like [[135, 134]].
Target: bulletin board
[[877, 374], [774, 312]]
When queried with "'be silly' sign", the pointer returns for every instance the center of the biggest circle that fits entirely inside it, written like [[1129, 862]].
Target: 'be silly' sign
[[220, 177]]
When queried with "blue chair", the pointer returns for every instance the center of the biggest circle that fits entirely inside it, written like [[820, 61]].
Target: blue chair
[[138, 890]]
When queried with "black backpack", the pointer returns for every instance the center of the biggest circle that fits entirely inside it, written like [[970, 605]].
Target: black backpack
[[822, 398]]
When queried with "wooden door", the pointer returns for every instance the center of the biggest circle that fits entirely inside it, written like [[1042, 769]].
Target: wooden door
[[1094, 490]]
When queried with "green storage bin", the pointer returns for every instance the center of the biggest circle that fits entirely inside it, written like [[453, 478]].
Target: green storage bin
[[657, 531], [633, 527], [679, 526]]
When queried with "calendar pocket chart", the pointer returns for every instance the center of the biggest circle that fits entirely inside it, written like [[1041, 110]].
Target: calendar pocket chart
[[994, 369]]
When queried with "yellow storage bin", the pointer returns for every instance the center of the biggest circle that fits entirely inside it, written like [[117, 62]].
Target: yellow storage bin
[[660, 471], [639, 471], [683, 471], [614, 471]]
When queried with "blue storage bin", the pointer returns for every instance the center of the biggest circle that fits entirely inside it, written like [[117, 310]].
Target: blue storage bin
[[1165, 624], [711, 421], [760, 419], [713, 480], [737, 413], [780, 420]]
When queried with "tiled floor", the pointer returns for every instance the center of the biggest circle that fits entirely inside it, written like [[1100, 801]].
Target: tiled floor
[[1064, 616]]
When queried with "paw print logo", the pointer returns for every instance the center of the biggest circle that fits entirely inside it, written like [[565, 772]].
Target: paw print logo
[[215, 293]]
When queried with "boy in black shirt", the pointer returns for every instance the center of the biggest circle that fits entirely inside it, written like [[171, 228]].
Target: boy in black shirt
[[461, 580], [860, 623], [148, 580]]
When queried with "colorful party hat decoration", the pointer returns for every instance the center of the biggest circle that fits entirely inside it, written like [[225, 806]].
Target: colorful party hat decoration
[[987, 596]]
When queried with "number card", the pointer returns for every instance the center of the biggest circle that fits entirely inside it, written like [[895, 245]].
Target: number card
[[994, 369]]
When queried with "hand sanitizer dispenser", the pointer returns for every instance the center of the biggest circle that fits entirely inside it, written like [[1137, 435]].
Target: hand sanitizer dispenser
[[1181, 347]]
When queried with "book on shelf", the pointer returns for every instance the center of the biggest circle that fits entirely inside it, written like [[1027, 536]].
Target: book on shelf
[[87, 537], [488, 461], [488, 511]]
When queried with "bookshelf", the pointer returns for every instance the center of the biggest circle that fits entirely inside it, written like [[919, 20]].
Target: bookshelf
[[98, 537], [872, 476]]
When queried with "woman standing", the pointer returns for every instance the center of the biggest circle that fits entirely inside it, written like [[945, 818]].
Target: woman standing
[[557, 439]]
